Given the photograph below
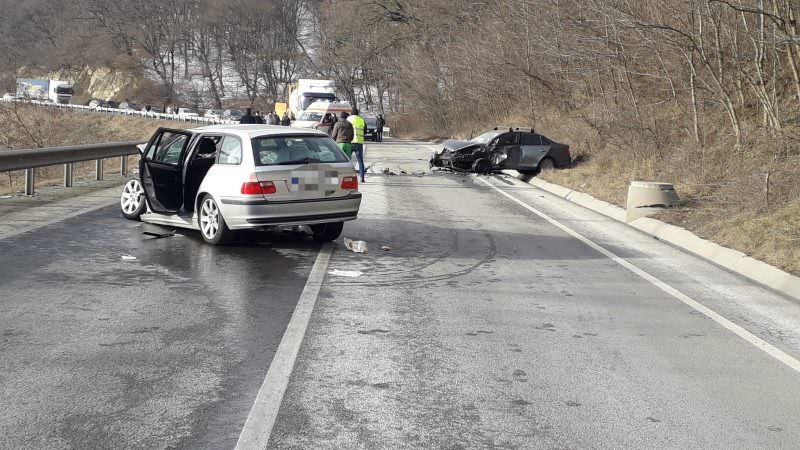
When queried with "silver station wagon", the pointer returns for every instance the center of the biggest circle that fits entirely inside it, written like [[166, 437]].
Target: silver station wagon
[[223, 178]]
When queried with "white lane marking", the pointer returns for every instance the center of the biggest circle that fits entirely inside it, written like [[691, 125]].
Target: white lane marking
[[706, 311], [258, 428]]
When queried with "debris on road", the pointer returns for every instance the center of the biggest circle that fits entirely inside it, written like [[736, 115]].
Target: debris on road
[[159, 235], [355, 246], [346, 273], [128, 258], [386, 171], [386, 248]]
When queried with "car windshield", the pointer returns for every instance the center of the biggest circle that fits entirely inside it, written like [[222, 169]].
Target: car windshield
[[311, 116], [284, 150], [486, 137]]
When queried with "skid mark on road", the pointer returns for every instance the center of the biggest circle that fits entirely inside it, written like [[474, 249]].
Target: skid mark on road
[[761, 344]]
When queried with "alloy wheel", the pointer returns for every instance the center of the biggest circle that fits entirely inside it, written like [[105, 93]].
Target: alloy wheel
[[209, 218], [132, 195]]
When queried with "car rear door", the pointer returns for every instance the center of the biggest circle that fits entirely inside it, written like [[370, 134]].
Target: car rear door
[[161, 169], [533, 149]]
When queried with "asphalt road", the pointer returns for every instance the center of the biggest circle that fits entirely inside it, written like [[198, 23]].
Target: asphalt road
[[483, 326], [167, 350]]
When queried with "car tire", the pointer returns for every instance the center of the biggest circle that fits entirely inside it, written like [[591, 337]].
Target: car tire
[[325, 232], [482, 165], [547, 164], [213, 228], [132, 202]]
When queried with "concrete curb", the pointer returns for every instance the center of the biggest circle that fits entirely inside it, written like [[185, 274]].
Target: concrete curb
[[732, 260]]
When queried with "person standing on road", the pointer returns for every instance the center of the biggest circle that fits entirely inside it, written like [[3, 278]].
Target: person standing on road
[[259, 118], [379, 123], [359, 127], [248, 116], [343, 134], [285, 121]]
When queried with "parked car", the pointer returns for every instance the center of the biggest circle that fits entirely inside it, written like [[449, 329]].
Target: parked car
[[112, 104], [97, 103], [129, 106], [153, 110], [520, 149], [215, 114], [371, 130], [187, 112], [223, 178], [232, 114]]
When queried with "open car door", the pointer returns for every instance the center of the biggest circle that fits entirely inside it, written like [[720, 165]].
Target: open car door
[[161, 169]]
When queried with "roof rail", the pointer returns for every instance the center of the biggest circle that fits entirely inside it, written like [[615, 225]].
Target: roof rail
[[523, 129]]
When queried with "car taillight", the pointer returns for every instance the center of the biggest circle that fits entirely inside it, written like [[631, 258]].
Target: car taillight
[[255, 187], [350, 183]]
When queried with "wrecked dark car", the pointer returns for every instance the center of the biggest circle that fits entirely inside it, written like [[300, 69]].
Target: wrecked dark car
[[519, 149]]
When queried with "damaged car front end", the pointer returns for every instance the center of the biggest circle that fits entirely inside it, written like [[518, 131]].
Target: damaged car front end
[[519, 149], [460, 155]]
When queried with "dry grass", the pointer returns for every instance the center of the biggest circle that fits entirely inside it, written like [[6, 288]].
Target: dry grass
[[723, 189], [31, 127]]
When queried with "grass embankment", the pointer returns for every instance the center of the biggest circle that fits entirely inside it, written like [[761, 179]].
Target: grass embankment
[[23, 126], [744, 198]]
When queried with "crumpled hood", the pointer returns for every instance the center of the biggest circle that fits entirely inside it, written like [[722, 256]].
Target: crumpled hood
[[454, 145]]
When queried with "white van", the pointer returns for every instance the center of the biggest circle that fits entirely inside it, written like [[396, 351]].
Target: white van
[[313, 115]]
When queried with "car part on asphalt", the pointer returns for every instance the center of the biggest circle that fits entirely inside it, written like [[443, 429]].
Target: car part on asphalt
[[355, 246]]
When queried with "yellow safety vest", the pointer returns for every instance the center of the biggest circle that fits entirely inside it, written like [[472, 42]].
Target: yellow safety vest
[[358, 129]]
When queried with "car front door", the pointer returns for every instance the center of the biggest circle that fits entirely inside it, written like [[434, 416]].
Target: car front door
[[533, 150], [508, 143], [161, 169]]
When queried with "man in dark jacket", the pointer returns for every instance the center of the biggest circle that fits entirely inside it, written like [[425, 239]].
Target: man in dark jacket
[[285, 121], [343, 134], [379, 123], [248, 117]]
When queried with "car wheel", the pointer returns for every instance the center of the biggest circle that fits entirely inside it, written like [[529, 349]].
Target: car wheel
[[547, 164], [481, 165], [132, 202], [325, 232], [213, 228]]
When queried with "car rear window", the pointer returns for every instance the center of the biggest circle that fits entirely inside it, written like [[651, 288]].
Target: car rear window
[[284, 150]]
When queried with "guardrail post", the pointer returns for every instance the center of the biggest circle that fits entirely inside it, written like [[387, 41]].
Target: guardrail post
[[30, 180], [68, 174], [98, 170], [123, 166]]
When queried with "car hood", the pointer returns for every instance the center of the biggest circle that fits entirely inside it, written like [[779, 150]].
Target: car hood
[[454, 145], [303, 123]]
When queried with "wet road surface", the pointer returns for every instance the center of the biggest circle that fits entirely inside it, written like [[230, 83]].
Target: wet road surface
[[482, 326], [167, 350]]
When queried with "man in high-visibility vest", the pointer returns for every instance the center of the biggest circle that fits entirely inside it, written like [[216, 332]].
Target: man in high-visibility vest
[[358, 140]]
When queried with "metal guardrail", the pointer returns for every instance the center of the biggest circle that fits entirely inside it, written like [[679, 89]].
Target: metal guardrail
[[126, 112], [29, 160]]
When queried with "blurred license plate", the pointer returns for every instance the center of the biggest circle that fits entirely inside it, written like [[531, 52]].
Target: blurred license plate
[[314, 180]]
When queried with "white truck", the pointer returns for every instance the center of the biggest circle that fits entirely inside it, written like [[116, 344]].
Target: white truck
[[56, 91], [305, 92]]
